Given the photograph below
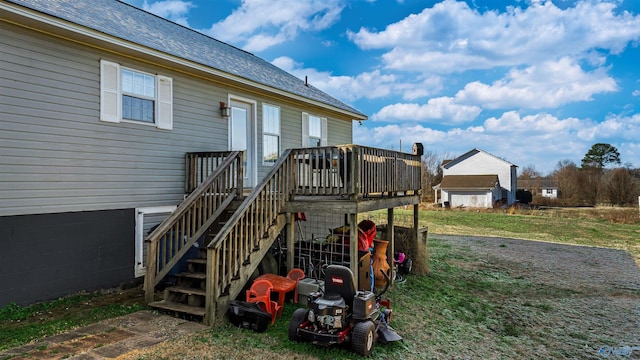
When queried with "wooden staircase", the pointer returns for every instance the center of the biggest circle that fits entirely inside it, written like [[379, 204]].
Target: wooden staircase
[[233, 233], [187, 297]]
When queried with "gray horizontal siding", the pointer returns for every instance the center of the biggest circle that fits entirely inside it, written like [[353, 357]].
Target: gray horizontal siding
[[56, 156]]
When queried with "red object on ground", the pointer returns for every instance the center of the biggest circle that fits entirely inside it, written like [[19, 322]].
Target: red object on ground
[[296, 275], [260, 293], [281, 285], [366, 234]]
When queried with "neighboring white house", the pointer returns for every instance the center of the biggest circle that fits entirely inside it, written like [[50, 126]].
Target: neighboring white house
[[477, 179], [543, 187]]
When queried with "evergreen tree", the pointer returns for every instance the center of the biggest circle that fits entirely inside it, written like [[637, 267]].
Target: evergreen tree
[[600, 155]]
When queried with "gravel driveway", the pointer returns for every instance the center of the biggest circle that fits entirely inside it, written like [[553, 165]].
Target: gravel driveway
[[602, 308]]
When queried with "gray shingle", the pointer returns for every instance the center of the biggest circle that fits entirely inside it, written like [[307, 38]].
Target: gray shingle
[[469, 182], [129, 23]]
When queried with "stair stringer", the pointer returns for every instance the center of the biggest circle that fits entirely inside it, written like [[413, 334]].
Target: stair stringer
[[222, 302]]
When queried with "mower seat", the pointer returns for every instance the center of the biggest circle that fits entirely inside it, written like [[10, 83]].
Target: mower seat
[[339, 281]]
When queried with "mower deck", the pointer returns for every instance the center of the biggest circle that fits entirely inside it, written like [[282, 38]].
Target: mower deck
[[317, 337]]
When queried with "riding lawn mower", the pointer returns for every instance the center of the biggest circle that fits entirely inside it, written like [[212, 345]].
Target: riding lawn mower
[[344, 315]]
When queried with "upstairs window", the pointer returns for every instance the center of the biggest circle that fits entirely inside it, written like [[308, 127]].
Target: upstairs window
[[138, 96], [314, 130], [132, 95], [270, 133]]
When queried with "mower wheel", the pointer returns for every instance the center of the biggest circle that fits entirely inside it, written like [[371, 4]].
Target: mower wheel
[[363, 338], [299, 316]]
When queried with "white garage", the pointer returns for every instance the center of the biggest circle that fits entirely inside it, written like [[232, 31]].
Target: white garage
[[480, 191], [470, 199]]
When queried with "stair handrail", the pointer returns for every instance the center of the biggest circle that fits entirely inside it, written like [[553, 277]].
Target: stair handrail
[[250, 223], [191, 220]]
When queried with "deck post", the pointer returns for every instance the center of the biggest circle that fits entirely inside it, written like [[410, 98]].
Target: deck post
[[355, 174], [211, 293], [291, 227], [353, 248], [391, 238], [416, 223], [150, 277]]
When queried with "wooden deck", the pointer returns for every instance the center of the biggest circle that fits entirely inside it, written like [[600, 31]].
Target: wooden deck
[[346, 179]]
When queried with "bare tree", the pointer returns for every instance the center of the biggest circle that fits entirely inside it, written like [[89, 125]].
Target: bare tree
[[529, 172], [621, 189], [431, 171], [566, 174], [589, 183]]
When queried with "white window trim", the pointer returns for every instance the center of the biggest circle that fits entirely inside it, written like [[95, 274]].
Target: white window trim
[[305, 130], [111, 97], [139, 267], [279, 134]]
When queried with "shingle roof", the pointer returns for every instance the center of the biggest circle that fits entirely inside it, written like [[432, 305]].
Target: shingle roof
[[537, 184], [129, 23], [469, 182]]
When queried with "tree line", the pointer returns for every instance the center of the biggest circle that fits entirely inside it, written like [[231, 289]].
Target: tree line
[[599, 179]]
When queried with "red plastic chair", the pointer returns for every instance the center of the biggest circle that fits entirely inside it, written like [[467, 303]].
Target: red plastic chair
[[260, 293], [296, 275]]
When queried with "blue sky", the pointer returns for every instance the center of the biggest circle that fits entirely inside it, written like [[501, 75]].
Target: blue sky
[[531, 81]]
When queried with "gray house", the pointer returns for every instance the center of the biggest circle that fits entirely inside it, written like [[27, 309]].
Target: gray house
[[113, 119]]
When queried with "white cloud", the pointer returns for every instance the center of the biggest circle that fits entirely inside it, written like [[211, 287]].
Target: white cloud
[[523, 126], [619, 126], [539, 139], [174, 10], [452, 37], [636, 93], [443, 110], [546, 85], [257, 24], [369, 85]]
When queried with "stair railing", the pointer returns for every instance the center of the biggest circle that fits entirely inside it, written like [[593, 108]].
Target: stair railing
[[199, 165], [258, 218], [174, 236]]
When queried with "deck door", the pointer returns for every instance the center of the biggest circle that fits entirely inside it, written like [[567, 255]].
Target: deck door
[[242, 137]]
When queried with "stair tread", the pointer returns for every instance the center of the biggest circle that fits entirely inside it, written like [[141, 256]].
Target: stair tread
[[183, 308], [187, 290], [193, 275], [198, 261]]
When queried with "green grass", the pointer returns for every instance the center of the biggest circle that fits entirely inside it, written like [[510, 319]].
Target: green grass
[[578, 226], [21, 324], [464, 307]]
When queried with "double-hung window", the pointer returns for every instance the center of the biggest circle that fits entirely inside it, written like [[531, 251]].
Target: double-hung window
[[314, 130], [135, 96], [270, 133]]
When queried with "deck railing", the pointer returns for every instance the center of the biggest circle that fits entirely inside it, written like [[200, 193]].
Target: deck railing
[[329, 170], [199, 165], [244, 233], [173, 238]]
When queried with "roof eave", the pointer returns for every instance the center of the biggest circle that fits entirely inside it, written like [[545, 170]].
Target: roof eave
[[124, 47]]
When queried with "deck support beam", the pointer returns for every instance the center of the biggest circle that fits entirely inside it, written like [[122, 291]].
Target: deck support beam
[[353, 249], [290, 235], [391, 239]]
